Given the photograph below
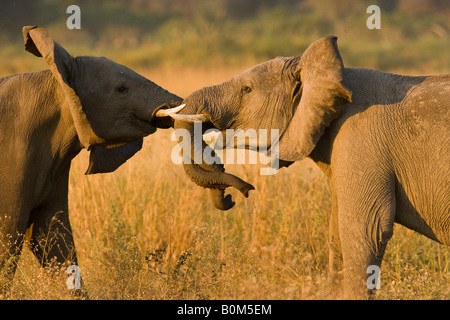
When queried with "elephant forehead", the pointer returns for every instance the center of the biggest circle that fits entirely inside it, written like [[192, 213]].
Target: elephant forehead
[[271, 67], [105, 67], [267, 70]]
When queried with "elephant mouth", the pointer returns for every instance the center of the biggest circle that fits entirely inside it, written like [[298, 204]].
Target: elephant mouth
[[161, 119]]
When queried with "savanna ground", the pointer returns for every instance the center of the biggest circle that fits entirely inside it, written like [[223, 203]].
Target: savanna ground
[[148, 232]]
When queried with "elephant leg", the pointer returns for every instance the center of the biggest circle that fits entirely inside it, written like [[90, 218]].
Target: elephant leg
[[12, 233], [51, 239], [360, 263], [53, 245], [366, 222], [11, 247], [335, 251]]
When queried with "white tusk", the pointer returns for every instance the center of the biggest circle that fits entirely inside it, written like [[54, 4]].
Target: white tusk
[[167, 112], [190, 117]]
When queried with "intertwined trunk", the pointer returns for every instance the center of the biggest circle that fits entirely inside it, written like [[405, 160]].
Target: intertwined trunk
[[211, 176]]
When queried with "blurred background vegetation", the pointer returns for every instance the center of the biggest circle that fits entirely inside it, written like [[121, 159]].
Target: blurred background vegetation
[[414, 34]]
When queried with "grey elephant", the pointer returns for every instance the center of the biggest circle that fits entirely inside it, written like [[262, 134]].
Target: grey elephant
[[382, 139], [46, 119]]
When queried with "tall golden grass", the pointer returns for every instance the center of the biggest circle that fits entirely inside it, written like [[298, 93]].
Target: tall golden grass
[[148, 232]]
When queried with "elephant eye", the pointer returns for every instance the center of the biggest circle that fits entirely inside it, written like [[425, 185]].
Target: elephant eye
[[122, 88], [247, 89]]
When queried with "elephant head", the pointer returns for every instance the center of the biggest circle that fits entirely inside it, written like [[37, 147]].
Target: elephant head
[[112, 106], [299, 96]]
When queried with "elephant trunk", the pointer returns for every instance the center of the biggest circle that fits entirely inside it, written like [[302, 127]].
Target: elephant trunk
[[209, 174]]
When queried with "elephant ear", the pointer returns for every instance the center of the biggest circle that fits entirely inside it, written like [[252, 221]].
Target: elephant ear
[[324, 96], [107, 159], [61, 64]]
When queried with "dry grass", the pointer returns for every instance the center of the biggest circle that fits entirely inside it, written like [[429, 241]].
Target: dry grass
[[147, 232]]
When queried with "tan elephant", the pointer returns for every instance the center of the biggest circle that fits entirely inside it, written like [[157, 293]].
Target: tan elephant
[[382, 139], [46, 118]]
